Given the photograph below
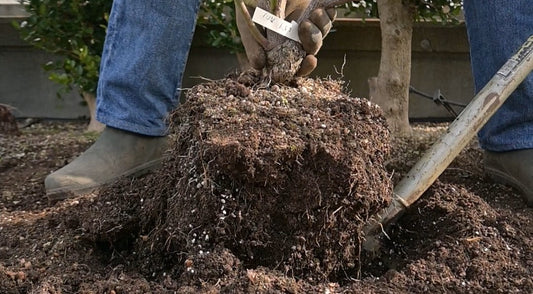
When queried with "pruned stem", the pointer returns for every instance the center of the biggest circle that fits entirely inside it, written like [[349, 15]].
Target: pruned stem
[[253, 29], [278, 8], [283, 56]]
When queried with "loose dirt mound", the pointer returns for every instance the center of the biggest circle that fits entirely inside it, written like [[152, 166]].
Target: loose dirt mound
[[283, 177], [465, 235]]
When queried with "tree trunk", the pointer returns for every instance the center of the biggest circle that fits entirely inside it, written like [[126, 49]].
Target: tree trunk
[[390, 89], [94, 125]]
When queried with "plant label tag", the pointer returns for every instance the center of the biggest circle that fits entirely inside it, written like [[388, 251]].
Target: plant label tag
[[276, 24]]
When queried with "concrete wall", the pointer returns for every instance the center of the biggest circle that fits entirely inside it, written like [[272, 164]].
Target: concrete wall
[[23, 82], [440, 61]]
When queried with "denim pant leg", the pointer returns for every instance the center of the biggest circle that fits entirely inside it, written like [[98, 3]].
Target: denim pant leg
[[143, 61], [496, 29]]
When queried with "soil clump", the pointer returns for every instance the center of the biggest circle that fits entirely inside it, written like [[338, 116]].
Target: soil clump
[[282, 177]]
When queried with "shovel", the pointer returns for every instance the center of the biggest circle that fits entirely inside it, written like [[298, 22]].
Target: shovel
[[460, 132]]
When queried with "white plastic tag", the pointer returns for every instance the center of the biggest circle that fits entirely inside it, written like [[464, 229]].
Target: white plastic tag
[[276, 24]]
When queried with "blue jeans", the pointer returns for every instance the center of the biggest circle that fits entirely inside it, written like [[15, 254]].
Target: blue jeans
[[143, 61], [496, 29]]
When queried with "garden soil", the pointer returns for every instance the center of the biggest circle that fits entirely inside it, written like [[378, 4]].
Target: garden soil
[[264, 189]]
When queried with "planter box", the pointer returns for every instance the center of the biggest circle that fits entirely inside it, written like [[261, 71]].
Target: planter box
[[440, 61]]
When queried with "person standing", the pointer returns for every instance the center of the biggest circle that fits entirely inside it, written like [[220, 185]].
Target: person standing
[[496, 29]]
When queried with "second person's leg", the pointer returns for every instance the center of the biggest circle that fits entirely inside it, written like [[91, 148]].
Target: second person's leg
[[496, 29]]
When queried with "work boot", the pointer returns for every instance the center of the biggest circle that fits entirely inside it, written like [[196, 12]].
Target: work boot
[[514, 168], [115, 154]]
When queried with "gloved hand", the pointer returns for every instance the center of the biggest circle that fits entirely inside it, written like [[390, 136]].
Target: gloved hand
[[311, 32]]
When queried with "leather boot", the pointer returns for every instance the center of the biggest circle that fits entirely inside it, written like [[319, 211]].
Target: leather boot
[[514, 168], [115, 154]]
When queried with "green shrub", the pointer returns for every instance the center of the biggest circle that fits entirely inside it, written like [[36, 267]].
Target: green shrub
[[218, 17], [73, 30]]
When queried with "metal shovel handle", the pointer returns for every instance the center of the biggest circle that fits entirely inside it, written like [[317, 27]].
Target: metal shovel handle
[[460, 132]]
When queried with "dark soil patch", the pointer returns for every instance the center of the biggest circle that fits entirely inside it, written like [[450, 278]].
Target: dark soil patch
[[262, 200]]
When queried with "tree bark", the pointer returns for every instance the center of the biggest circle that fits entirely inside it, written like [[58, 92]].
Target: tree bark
[[94, 125], [390, 89]]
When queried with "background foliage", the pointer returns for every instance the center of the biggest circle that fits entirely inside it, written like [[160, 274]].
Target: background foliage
[[439, 11], [218, 17], [74, 30]]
